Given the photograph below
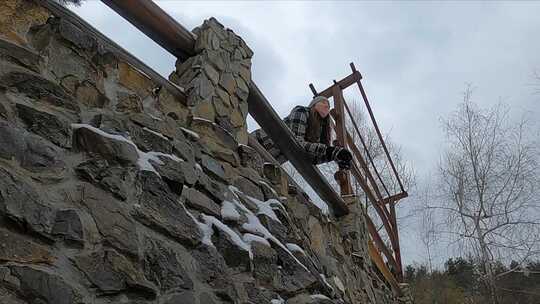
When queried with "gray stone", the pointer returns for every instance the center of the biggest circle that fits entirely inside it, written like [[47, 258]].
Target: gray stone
[[212, 73], [112, 273], [68, 225], [248, 187], [107, 176], [19, 55], [47, 125], [184, 150], [149, 140], [206, 298], [276, 228], [212, 167], [20, 203], [227, 82], [163, 266], [235, 257], [310, 299], [75, 35], [112, 148], [39, 88], [31, 151], [19, 249], [186, 297], [216, 190], [268, 192], [160, 209], [293, 276], [201, 202], [112, 219], [211, 265], [265, 267], [259, 294], [175, 174], [41, 286]]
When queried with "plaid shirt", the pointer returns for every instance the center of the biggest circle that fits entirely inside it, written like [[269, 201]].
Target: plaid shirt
[[297, 122]]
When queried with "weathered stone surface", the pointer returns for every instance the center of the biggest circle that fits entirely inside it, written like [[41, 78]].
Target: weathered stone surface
[[111, 217], [164, 267], [68, 225], [74, 34], [227, 82], [176, 174], [131, 78], [211, 265], [201, 202], [186, 297], [47, 125], [277, 177], [235, 257], [108, 176], [20, 203], [36, 87], [294, 276], [211, 187], [212, 167], [148, 140], [310, 299], [31, 151], [129, 103], [265, 264], [112, 148], [248, 187], [88, 95], [19, 55], [43, 286], [159, 209], [16, 248], [275, 227], [110, 272]]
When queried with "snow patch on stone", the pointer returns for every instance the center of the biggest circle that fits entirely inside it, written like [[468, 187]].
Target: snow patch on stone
[[155, 133], [229, 212], [255, 226], [250, 238], [191, 133], [295, 248]]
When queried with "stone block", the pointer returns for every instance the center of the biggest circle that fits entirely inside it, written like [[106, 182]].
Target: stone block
[[159, 209], [44, 286], [111, 147], [21, 204], [18, 249], [277, 177], [112, 273], [199, 201], [45, 124]]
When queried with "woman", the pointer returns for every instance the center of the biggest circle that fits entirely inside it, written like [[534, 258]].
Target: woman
[[311, 127]]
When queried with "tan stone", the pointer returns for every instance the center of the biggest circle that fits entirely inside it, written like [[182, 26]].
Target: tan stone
[[242, 135], [316, 236], [134, 80], [18, 16], [15, 248], [204, 109], [237, 120], [172, 107]]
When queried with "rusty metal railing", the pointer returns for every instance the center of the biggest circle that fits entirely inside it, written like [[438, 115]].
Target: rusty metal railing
[[364, 175]]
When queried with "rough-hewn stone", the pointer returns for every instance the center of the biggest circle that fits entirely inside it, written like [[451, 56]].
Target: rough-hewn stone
[[160, 210]]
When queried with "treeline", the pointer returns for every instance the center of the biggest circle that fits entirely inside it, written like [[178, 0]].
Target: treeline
[[461, 283]]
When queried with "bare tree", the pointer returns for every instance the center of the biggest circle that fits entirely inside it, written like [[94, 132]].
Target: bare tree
[[488, 186]]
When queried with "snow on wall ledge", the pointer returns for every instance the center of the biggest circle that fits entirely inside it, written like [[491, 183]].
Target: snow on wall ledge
[[113, 190]]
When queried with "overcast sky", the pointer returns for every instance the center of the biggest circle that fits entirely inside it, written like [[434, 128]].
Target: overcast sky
[[415, 58]]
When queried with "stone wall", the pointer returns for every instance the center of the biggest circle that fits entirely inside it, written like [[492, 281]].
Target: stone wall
[[113, 189]]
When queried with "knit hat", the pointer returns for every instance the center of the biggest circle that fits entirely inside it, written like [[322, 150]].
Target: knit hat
[[318, 99]]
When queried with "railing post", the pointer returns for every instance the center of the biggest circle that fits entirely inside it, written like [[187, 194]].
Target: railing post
[[343, 177]]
